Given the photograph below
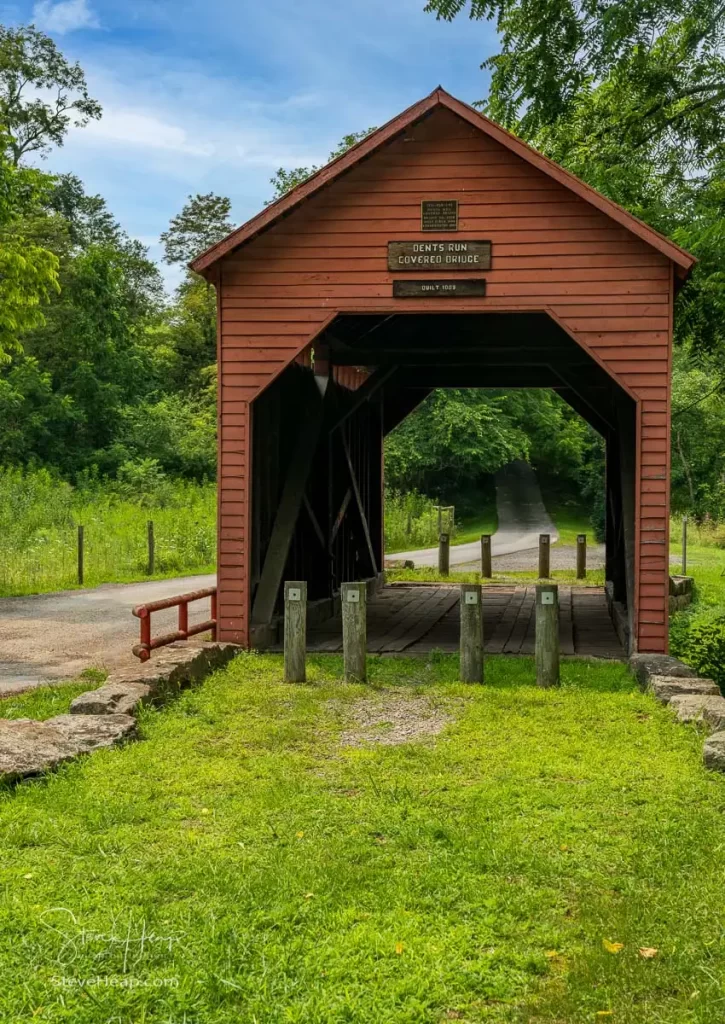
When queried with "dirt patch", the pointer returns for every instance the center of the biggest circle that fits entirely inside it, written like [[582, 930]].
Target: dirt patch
[[392, 718]]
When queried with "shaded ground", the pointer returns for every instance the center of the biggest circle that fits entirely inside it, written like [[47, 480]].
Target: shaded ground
[[521, 518], [57, 636]]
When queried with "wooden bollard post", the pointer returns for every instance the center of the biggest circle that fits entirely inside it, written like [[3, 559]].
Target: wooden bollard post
[[444, 553], [547, 634], [295, 632], [354, 631], [81, 556], [544, 556], [581, 556], [471, 633], [684, 545], [486, 556], [151, 547]]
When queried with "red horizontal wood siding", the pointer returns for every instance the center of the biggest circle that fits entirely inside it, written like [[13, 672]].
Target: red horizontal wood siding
[[551, 251]]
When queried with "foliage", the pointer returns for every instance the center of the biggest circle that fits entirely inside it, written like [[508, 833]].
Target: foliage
[[457, 438], [203, 221], [698, 464], [48, 701], [411, 521], [39, 516], [41, 94], [28, 272], [286, 179], [273, 872], [703, 647]]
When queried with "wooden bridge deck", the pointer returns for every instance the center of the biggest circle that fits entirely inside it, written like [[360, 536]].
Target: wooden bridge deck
[[417, 619]]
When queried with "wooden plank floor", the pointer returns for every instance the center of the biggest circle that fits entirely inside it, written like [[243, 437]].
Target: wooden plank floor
[[418, 619]]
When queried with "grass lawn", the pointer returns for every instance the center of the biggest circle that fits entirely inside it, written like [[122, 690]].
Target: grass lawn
[[48, 701], [594, 577], [256, 858]]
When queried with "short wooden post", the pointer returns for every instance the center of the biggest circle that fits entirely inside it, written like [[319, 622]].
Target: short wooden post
[[486, 556], [547, 634], [581, 556], [81, 553], [295, 632], [544, 556], [471, 633], [684, 545], [444, 554], [354, 631], [152, 547]]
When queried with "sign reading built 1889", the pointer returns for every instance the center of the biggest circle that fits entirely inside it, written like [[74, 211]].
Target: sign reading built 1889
[[440, 255]]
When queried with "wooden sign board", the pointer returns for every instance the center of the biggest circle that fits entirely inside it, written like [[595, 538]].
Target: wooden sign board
[[417, 289], [439, 255], [439, 215]]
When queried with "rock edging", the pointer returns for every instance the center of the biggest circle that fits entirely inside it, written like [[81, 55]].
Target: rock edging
[[104, 717], [691, 698]]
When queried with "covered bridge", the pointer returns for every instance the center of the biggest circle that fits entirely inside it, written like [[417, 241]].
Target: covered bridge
[[441, 251]]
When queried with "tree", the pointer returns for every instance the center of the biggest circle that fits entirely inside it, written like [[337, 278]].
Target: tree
[[203, 221], [28, 272], [41, 93], [285, 180]]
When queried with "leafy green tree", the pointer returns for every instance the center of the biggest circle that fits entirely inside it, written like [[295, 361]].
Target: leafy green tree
[[28, 271], [41, 93], [286, 179], [203, 221]]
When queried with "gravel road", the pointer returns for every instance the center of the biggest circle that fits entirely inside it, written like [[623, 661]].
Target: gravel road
[[56, 636], [521, 518]]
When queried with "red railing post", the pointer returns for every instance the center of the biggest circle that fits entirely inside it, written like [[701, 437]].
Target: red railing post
[[143, 612]]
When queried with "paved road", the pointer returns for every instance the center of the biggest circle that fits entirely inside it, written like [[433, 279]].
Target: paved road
[[521, 518], [56, 636]]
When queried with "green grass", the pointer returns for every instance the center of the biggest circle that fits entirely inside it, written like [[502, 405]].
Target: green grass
[[48, 701], [39, 519], [594, 578], [240, 864]]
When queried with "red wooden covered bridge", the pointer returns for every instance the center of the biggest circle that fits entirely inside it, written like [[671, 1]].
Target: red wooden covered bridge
[[441, 251]]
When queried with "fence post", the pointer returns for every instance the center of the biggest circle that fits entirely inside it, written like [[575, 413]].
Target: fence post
[[684, 545], [354, 631], [81, 553], [486, 556], [152, 547], [471, 614], [444, 554], [547, 634], [295, 631], [581, 556], [544, 556]]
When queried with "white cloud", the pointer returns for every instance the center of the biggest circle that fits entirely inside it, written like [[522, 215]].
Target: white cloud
[[136, 128], [66, 16]]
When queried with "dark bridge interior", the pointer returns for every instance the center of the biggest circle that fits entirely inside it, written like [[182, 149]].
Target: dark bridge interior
[[317, 458]]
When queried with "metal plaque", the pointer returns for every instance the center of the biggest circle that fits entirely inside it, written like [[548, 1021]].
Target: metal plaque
[[471, 597], [412, 289], [439, 215], [294, 594], [547, 597], [353, 597], [439, 255]]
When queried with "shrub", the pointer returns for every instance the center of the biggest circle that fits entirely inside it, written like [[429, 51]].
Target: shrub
[[701, 645]]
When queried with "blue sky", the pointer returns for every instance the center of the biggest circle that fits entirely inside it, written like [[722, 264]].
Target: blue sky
[[216, 95]]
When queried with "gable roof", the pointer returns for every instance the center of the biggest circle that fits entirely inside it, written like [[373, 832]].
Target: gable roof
[[682, 259]]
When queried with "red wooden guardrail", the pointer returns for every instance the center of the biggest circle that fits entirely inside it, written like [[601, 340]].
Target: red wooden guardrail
[[143, 612]]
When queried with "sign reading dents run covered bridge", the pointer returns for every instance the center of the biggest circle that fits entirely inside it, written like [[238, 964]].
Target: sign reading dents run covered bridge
[[442, 255], [517, 275]]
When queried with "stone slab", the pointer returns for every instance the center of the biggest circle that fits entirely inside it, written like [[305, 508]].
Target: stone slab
[[706, 710], [646, 665], [28, 747], [168, 670], [112, 699], [713, 752], [664, 688]]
